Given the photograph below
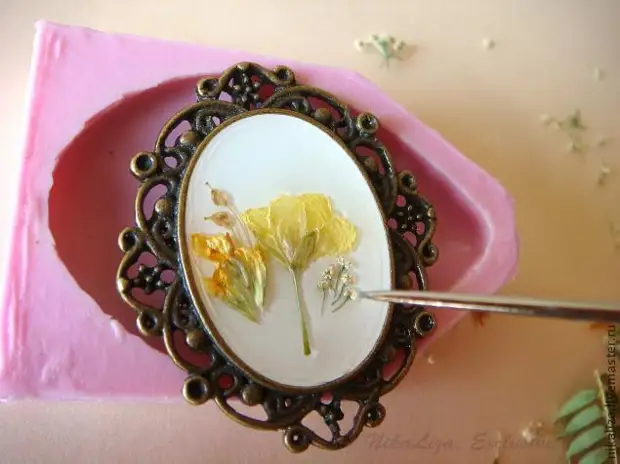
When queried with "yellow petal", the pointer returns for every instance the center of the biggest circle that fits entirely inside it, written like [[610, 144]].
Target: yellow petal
[[257, 220], [218, 285], [338, 237], [287, 216], [216, 248], [318, 210], [281, 228], [213, 287], [250, 257], [222, 279]]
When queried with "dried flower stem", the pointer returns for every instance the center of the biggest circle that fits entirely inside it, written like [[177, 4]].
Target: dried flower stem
[[340, 306], [340, 293], [220, 198], [301, 309], [247, 235], [335, 287]]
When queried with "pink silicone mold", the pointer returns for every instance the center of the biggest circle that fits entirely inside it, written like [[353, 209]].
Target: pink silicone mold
[[96, 99]]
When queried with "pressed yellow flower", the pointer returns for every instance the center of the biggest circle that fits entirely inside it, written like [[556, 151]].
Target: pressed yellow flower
[[297, 230], [281, 227], [240, 275]]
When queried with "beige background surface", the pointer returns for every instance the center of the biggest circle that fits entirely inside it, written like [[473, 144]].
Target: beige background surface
[[488, 104]]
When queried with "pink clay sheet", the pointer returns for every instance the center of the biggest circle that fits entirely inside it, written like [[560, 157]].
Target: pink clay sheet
[[95, 100]]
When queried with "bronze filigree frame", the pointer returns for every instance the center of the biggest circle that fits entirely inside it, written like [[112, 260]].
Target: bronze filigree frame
[[212, 375]]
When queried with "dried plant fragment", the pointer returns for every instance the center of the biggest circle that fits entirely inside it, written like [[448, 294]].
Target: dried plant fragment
[[222, 219], [572, 126], [532, 431], [603, 141], [488, 43], [598, 74], [386, 45], [615, 235], [219, 197], [296, 231], [545, 119], [603, 172], [480, 317]]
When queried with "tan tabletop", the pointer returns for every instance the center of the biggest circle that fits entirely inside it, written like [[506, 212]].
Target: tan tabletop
[[488, 102]]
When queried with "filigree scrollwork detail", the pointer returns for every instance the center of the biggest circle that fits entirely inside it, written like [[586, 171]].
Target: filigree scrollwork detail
[[244, 83], [150, 280]]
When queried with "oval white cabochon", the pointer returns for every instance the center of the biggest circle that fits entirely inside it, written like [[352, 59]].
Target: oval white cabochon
[[255, 159]]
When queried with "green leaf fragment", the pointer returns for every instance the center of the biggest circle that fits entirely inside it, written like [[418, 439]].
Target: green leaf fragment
[[583, 419], [577, 402], [596, 456], [585, 440]]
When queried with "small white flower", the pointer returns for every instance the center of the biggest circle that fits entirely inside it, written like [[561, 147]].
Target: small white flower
[[343, 263], [603, 172], [328, 273], [602, 142], [531, 432], [545, 119], [488, 43], [599, 74], [351, 294], [399, 45], [359, 45]]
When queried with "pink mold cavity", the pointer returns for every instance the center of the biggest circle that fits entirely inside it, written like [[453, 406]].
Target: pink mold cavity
[[91, 199], [64, 332]]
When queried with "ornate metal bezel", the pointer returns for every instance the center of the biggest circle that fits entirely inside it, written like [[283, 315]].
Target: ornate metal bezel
[[214, 375]]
